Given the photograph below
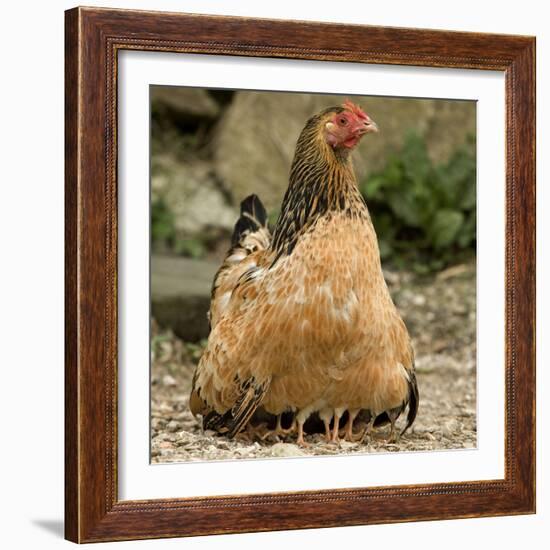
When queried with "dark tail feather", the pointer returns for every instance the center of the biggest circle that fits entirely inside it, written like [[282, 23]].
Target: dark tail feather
[[247, 403], [413, 402], [253, 217], [217, 422], [235, 419]]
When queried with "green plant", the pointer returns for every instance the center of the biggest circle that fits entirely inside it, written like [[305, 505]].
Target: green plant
[[165, 238], [424, 214], [190, 248], [162, 223]]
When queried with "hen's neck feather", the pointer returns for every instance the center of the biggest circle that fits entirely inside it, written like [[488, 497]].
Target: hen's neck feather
[[322, 181]]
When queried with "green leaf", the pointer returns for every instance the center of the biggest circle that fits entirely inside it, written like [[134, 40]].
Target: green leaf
[[445, 227], [422, 268], [162, 222], [371, 187], [191, 248], [415, 159], [404, 208]]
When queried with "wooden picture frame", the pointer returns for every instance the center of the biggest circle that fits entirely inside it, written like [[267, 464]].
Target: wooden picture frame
[[93, 511]]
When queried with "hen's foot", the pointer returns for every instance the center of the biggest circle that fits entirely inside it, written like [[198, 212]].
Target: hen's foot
[[253, 433]]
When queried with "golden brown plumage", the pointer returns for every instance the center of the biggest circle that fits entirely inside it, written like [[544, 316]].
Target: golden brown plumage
[[304, 321]]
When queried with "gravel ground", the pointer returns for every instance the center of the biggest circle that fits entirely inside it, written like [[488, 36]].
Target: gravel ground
[[440, 314]]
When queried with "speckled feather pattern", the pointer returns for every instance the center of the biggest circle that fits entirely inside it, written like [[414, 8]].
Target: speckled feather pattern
[[305, 316]]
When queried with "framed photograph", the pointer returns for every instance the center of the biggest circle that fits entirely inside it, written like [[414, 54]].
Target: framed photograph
[[300, 275]]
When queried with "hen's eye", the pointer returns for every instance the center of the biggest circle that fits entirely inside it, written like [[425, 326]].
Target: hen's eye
[[343, 121]]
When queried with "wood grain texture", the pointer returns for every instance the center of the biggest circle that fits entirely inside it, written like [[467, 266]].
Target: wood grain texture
[[71, 271], [93, 38]]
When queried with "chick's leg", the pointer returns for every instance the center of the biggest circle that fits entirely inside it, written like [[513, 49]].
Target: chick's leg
[[301, 417], [326, 416], [279, 431], [393, 415], [348, 430], [365, 436], [300, 439], [335, 428], [392, 437]]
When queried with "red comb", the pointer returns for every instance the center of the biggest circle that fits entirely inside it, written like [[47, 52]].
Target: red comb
[[355, 109]]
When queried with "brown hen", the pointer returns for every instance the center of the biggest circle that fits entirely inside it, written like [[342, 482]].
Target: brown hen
[[303, 321]]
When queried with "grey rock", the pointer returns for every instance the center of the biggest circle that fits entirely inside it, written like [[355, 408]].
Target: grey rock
[[188, 187], [180, 295], [183, 104]]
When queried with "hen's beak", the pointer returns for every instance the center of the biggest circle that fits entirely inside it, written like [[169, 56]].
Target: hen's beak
[[366, 126], [370, 126]]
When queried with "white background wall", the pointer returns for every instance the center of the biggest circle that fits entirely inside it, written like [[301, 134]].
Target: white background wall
[[31, 278]]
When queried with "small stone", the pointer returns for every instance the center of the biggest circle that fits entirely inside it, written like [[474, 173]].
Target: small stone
[[450, 428], [246, 450], [169, 381], [158, 423], [348, 445], [173, 426], [286, 449]]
